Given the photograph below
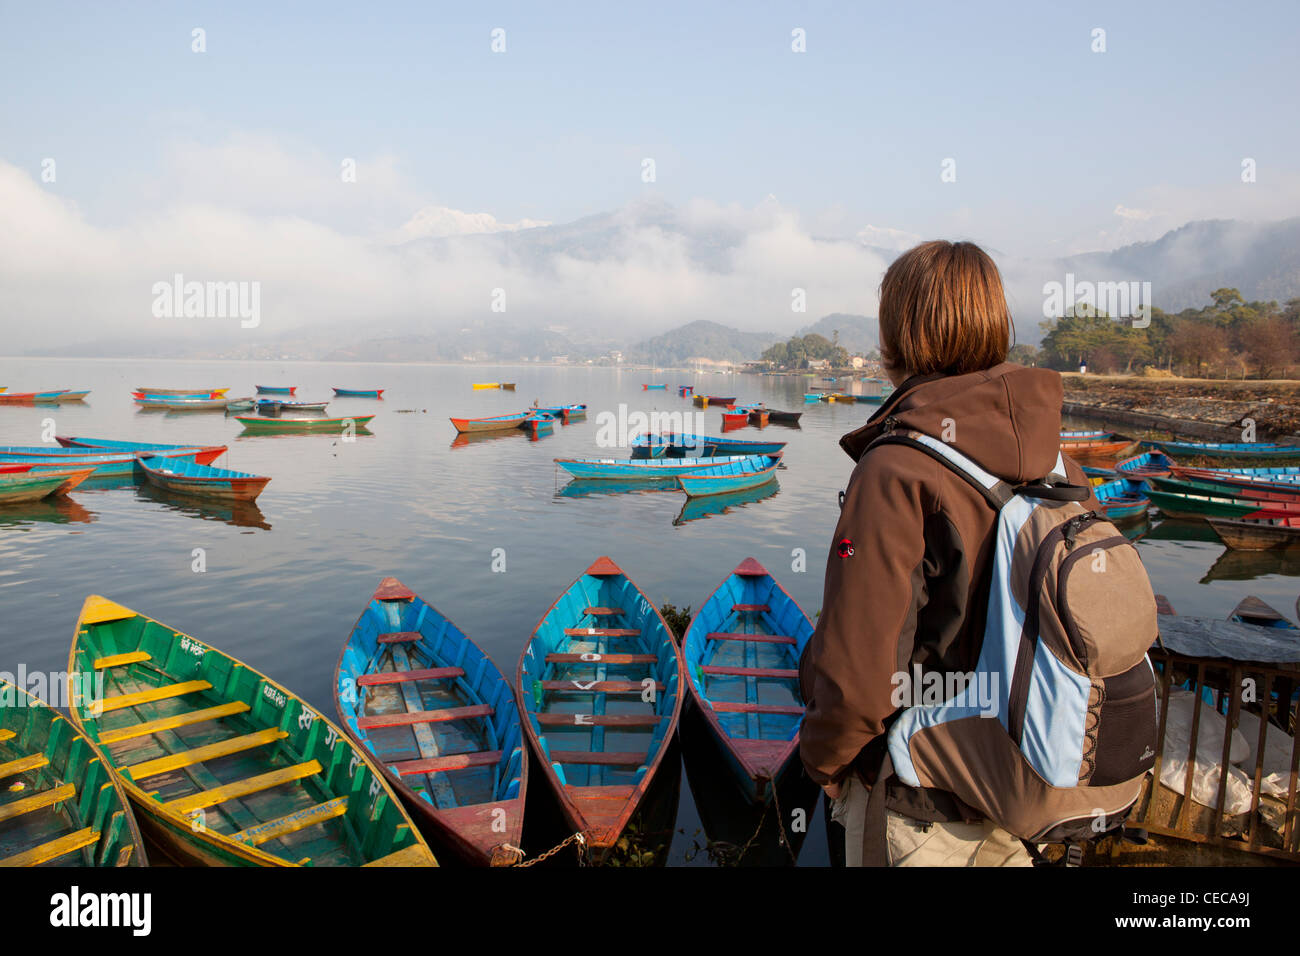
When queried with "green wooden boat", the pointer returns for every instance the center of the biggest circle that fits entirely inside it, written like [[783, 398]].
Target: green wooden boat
[[263, 423], [59, 803], [1183, 505], [223, 766]]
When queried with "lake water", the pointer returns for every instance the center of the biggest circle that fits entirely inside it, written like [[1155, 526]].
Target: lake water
[[285, 582]]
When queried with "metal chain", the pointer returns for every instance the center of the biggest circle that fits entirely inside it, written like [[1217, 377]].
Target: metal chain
[[517, 855]]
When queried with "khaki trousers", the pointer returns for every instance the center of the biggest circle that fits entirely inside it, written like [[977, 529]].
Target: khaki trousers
[[911, 843]]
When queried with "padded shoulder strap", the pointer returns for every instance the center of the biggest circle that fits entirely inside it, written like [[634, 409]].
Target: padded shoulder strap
[[1055, 487]]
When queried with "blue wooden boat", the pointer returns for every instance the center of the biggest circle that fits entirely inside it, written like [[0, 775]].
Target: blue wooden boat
[[110, 444], [276, 389], [639, 469], [599, 682], [654, 388], [811, 398], [1281, 475], [563, 412], [427, 703], [203, 481], [1188, 449], [1254, 611], [187, 404], [359, 392], [749, 472], [685, 391], [1120, 501], [1069, 436], [104, 462], [681, 445], [242, 405], [1149, 464], [741, 655], [491, 423], [694, 509]]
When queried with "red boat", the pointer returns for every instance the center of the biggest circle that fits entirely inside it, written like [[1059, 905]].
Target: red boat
[[734, 420]]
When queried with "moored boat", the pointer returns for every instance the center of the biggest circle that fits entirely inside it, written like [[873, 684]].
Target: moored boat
[[203, 481], [599, 686], [508, 386], [276, 389], [1188, 449], [105, 462], [639, 469], [1175, 504], [491, 423], [30, 398], [72, 396], [111, 444], [703, 401], [264, 423], [1120, 501], [430, 706], [680, 444], [1149, 464], [741, 658], [563, 412], [223, 765], [478, 386], [1084, 435], [784, 418], [186, 404], [1253, 610], [34, 483], [735, 419], [61, 804], [654, 388], [182, 392], [749, 472], [1079, 450], [1258, 532], [360, 392], [811, 398]]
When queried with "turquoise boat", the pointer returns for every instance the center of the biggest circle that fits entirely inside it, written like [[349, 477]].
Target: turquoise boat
[[359, 392], [1150, 464], [563, 412], [641, 469], [741, 655], [599, 683], [1070, 436], [276, 389], [432, 708], [1119, 500], [110, 444], [811, 398], [682, 445], [203, 481], [1187, 449], [105, 463], [748, 472]]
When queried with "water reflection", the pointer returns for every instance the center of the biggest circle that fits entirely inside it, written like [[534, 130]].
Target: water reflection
[[240, 514], [696, 508], [1235, 565], [57, 510]]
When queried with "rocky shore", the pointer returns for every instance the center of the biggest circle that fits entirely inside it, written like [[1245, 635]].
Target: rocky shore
[[1197, 407]]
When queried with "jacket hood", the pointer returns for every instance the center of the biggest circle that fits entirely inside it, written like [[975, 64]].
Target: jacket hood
[[1007, 418]]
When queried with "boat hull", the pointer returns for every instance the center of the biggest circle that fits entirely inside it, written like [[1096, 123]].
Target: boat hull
[[263, 423], [359, 393], [474, 426], [749, 472], [1255, 536]]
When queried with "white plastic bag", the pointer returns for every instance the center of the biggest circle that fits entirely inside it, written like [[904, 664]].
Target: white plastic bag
[[1209, 751]]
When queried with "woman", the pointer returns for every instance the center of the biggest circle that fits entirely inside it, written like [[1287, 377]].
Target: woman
[[908, 574]]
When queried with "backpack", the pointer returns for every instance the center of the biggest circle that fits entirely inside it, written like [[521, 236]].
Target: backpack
[[1063, 668]]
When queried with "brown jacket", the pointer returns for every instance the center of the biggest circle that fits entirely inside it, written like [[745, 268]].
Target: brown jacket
[[907, 574]]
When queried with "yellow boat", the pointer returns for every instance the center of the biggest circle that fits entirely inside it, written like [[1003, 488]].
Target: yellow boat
[[482, 385]]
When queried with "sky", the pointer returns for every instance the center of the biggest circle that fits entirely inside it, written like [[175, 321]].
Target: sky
[[229, 162]]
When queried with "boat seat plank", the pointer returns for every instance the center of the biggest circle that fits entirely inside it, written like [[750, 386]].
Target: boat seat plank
[[398, 677], [723, 670], [613, 759], [480, 758], [602, 658], [131, 731], [292, 822], [6, 734], [197, 755], [399, 637], [23, 764], [601, 632], [754, 638], [70, 843], [603, 611], [118, 660], [598, 687], [242, 788], [118, 701], [413, 855], [37, 801], [750, 607], [598, 720], [738, 707], [424, 716]]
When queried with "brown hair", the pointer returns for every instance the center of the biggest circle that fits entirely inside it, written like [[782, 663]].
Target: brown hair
[[942, 309]]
